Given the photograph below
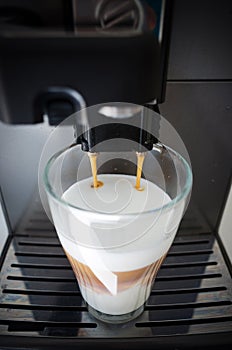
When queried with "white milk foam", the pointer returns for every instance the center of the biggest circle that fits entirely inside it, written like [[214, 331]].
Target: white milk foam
[[147, 244], [117, 196]]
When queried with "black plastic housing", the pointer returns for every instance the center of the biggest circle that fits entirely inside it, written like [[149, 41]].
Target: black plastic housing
[[119, 134], [119, 65]]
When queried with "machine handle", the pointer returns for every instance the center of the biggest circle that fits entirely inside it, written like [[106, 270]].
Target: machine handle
[[57, 103]]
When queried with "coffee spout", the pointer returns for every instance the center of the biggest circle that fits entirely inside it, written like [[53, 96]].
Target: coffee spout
[[119, 127]]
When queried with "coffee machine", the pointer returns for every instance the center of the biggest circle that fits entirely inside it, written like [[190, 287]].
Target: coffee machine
[[62, 56]]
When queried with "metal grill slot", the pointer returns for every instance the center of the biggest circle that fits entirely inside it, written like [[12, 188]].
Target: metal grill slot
[[191, 242], [39, 229], [183, 322], [40, 233], [39, 244], [41, 255], [187, 305], [41, 292], [42, 279], [190, 264], [41, 266], [24, 326], [197, 252], [45, 220], [188, 277], [187, 290], [44, 307], [190, 227]]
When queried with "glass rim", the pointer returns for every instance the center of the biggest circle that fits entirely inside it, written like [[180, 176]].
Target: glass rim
[[184, 193]]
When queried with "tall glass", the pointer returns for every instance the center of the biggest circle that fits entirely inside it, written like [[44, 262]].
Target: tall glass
[[116, 249]]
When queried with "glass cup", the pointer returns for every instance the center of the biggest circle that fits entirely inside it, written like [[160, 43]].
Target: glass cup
[[116, 237]]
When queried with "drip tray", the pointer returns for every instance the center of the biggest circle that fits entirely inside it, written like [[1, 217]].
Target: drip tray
[[41, 306]]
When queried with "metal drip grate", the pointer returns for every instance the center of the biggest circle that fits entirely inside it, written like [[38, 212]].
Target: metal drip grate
[[41, 305]]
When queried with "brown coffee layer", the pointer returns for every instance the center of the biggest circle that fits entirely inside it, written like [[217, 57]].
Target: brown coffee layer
[[126, 279]]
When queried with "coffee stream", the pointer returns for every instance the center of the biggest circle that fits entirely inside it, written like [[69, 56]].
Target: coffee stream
[[140, 160], [93, 162], [97, 183]]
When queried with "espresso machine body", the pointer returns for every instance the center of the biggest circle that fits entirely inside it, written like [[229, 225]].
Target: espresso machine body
[[59, 57]]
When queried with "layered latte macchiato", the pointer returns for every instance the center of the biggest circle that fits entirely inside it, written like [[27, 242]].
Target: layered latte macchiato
[[115, 275]]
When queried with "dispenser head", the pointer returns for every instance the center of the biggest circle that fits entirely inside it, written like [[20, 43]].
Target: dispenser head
[[118, 127]]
